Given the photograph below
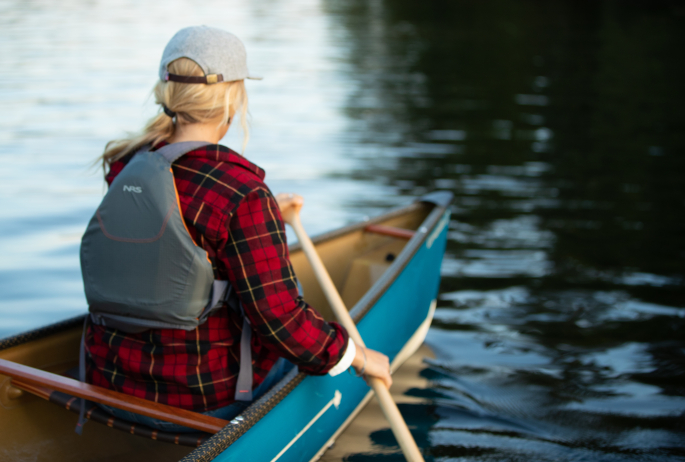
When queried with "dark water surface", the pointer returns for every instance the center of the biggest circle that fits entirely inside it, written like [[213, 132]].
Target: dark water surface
[[559, 126]]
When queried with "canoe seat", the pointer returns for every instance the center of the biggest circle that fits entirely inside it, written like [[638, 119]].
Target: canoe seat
[[96, 414], [368, 268]]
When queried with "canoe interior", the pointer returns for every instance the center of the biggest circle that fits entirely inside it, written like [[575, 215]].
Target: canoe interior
[[355, 260], [35, 430]]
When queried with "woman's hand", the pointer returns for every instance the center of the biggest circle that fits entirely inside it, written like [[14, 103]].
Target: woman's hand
[[289, 203], [377, 364]]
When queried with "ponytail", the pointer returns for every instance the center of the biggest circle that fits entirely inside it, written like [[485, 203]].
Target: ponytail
[[192, 103]]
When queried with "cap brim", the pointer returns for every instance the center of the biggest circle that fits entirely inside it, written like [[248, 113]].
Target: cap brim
[[254, 77]]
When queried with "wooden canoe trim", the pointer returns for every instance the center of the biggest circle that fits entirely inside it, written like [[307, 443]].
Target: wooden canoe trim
[[31, 379], [390, 231]]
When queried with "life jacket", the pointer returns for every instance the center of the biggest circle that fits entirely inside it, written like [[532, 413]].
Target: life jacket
[[141, 268]]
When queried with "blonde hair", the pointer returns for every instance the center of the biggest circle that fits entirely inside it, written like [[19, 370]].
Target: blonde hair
[[192, 103]]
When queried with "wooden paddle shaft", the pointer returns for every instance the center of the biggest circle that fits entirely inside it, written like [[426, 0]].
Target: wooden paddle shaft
[[35, 378], [392, 413]]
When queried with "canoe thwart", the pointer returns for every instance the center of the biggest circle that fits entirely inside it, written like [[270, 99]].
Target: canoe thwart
[[390, 231], [41, 382], [95, 413]]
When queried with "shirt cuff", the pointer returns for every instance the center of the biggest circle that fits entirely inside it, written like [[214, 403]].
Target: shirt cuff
[[346, 361]]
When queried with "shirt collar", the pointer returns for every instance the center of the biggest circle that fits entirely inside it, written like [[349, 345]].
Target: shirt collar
[[220, 153]]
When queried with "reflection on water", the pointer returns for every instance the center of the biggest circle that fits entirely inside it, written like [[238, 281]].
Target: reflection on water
[[558, 126]]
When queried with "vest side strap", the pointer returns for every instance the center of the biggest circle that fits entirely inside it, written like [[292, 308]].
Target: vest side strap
[[82, 378], [243, 387]]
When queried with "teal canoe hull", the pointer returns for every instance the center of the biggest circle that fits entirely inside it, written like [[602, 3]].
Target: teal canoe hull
[[310, 415]]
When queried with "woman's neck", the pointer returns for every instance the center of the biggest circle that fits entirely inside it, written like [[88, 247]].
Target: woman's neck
[[211, 132]]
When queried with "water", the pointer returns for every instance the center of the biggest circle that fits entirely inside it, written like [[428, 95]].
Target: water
[[558, 126]]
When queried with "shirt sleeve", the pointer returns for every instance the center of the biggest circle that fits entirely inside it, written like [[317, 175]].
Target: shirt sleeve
[[260, 270], [346, 360]]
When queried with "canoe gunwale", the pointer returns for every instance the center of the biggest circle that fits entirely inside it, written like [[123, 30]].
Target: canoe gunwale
[[41, 332], [330, 235], [219, 442]]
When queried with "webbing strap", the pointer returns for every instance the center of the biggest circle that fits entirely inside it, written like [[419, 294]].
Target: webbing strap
[[221, 292], [173, 151], [82, 377], [243, 387]]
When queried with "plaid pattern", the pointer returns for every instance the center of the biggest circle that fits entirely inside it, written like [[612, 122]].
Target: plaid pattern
[[231, 213]]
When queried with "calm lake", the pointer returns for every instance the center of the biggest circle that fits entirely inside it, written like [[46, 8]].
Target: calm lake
[[558, 125]]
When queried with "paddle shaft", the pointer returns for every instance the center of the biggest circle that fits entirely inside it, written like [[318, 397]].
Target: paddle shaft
[[392, 413]]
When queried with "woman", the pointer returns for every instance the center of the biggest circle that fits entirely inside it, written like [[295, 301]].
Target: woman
[[232, 215]]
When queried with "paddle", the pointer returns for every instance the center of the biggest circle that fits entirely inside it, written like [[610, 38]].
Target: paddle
[[399, 428]]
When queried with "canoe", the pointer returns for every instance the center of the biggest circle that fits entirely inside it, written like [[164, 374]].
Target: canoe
[[387, 270]]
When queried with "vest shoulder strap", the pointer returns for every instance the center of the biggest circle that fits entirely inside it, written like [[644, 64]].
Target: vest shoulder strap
[[171, 152]]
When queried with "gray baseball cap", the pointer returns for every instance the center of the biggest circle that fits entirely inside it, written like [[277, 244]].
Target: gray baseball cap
[[220, 54]]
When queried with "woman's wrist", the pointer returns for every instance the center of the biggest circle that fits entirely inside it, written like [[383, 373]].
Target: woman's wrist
[[360, 359], [360, 371]]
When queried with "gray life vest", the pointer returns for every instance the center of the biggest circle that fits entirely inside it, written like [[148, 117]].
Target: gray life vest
[[141, 268]]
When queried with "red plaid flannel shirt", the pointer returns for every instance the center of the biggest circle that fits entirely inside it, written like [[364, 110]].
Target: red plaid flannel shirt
[[231, 213]]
